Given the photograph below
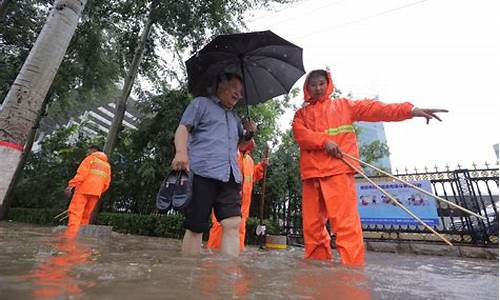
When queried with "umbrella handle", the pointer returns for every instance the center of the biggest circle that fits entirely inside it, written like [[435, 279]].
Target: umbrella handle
[[242, 67]]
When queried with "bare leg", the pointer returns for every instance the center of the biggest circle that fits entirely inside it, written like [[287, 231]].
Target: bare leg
[[191, 243], [230, 244]]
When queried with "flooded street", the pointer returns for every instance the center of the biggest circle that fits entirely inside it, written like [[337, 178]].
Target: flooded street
[[36, 265]]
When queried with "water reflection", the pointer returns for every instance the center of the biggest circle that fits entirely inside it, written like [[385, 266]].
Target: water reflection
[[329, 280], [226, 277], [136, 267], [55, 277]]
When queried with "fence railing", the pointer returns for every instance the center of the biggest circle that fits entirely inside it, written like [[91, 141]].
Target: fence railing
[[475, 189]]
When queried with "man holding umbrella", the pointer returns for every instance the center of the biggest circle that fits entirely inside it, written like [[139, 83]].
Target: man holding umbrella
[[269, 66], [213, 129]]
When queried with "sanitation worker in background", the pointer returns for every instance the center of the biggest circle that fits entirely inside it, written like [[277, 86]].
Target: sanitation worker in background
[[92, 179]]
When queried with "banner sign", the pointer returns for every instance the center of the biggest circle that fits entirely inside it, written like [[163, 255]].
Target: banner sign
[[376, 208]]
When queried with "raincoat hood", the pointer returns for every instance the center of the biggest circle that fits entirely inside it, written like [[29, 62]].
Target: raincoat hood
[[329, 89], [100, 155]]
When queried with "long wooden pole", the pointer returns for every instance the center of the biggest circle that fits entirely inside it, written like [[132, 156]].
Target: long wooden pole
[[414, 186], [397, 202], [61, 214], [261, 232], [262, 198]]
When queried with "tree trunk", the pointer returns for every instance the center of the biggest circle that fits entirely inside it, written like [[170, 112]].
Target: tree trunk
[[121, 103], [24, 99], [27, 149]]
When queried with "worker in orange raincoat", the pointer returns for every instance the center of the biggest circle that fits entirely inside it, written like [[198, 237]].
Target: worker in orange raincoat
[[92, 179], [323, 130], [251, 173]]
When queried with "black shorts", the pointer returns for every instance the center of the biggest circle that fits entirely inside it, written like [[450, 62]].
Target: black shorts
[[223, 197]]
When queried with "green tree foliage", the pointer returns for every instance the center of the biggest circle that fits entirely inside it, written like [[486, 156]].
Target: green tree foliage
[[98, 55], [374, 151], [91, 66], [283, 183], [140, 162], [371, 153], [178, 25], [19, 27]]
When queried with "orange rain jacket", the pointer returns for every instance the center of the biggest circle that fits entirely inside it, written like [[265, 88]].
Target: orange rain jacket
[[93, 175], [251, 173], [324, 196], [328, 119]]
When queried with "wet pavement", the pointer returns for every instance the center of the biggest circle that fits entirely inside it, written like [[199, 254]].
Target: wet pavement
[[34, 264]]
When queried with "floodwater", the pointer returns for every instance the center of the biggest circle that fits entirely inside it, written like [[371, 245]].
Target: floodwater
[[34, 264]]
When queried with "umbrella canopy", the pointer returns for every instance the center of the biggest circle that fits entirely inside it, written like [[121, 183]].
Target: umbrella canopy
[[268, 64]]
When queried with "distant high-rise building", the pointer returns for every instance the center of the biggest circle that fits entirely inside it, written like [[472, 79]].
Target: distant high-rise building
[[370, 132], [495, 147], [97, 121]]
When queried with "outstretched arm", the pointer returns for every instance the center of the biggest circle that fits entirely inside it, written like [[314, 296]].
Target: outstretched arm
[[372, 110]]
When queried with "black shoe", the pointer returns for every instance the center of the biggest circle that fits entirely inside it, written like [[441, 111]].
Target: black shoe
[[182, 191], [164, 196]]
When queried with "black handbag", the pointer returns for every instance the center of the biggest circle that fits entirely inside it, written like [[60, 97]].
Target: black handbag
[[175, 191]]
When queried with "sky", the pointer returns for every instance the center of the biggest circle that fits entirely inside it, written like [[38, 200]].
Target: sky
[[433, 53]]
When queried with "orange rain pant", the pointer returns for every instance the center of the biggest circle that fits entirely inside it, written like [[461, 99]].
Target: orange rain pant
[[332, 198], [216, 233], [79, 212]]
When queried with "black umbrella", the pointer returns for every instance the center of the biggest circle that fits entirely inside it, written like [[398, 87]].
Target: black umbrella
[[268, 64]]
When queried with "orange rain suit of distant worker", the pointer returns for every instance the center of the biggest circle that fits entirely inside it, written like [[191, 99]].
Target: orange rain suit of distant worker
[[328, 184], [92, 179], [251, 173]]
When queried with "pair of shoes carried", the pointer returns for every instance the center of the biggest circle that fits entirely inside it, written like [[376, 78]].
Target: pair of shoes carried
[[175, 191]]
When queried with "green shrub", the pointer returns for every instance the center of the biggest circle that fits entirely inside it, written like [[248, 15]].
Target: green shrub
[[33, 215], [170, 226]]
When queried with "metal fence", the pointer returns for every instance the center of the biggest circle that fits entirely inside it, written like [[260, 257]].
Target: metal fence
[[475, 189]]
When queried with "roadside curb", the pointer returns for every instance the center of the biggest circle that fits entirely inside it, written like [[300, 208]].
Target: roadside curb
[[433, 249]]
